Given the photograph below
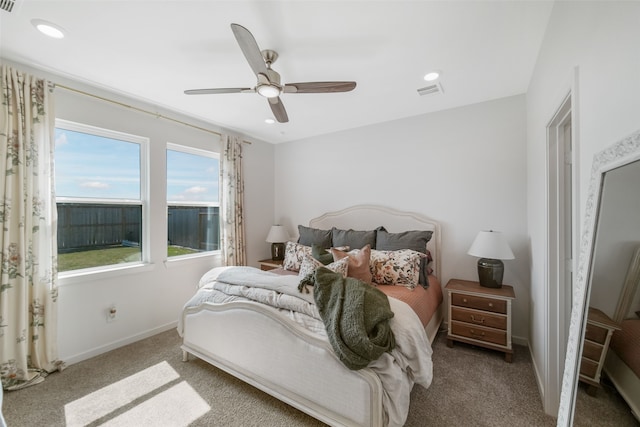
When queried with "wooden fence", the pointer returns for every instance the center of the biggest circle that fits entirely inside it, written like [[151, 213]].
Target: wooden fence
[[83, 226], [194, 227]]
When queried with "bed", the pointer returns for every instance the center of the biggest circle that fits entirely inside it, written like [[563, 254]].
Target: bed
[[292, 360], [622, 364]]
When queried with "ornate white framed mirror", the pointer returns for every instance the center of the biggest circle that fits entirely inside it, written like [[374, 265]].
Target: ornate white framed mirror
[[608, 266]]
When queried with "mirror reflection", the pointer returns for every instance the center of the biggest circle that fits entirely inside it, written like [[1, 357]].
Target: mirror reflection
[[609, 366]]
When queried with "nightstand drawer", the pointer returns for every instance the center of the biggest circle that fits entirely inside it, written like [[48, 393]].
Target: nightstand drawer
[[597, 336], [588, 368], [480, 333], [595, 333], [479, 318], [592, 351], [480, 303], [269, 264]]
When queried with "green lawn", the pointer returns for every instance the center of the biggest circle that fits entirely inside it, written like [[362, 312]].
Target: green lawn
[[179, 250], [100, 257]]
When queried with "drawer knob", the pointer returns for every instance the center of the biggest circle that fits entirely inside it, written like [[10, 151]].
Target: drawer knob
[[490, 304], [476, 334], [479, 320], [464, 300]]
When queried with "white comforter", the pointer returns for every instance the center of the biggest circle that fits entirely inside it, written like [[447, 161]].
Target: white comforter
[[408, 363]]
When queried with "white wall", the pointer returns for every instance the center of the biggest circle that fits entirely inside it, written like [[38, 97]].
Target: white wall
[[151, 300], [601, 40], [464, 167]]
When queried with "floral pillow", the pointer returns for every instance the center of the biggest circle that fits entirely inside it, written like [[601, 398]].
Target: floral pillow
[[310, 264], [294, 253], [400, 267], [416, 240]]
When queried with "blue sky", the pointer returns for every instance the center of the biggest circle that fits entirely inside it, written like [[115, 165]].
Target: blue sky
[[98, 167], [191, 177]]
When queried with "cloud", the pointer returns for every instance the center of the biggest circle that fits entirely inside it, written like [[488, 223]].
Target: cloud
[[61, 139], [94, 184], [196, 190]]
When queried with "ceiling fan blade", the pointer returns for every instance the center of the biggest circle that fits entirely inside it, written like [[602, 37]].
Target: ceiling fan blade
[[277, 107], [250, 48], [319, 87], [219, 90]]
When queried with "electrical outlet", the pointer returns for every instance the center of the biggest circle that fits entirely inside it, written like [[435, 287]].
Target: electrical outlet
[[112, 314]]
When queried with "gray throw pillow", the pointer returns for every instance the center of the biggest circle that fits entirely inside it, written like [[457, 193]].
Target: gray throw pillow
[[354, 239], [314, 236]]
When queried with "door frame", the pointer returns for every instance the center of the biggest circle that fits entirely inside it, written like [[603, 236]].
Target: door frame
[[558, 299]]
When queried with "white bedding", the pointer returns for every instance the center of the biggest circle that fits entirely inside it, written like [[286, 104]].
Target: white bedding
[[410, 361]]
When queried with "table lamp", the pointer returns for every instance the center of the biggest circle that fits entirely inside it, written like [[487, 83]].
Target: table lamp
[[491, 247], [277, 237]]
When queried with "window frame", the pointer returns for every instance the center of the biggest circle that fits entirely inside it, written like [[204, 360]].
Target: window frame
[[145, 256], [198, 152]]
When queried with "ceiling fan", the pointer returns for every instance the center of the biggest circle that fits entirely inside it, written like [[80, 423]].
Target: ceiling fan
[[268, 84]]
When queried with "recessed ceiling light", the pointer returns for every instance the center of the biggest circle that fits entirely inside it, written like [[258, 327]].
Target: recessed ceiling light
[[48, 28], [434, 75], [269, 121]]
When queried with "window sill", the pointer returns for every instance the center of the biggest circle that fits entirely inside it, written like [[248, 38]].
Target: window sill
[[81, 276], [178, 261]]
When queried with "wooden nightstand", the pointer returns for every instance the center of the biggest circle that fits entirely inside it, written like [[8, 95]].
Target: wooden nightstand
[[269, 264], [480, 316], [597, 336]]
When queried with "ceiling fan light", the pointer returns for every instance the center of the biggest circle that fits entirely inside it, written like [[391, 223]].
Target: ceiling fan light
[[268, 91]]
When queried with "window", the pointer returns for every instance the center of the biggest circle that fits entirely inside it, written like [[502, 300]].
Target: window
[[100, 195], [193, 204]]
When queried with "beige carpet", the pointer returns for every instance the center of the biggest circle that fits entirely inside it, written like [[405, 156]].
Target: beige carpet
[[147, 384]]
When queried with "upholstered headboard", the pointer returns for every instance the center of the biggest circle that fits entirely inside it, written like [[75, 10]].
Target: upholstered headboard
[[369, 217], [629, 302]]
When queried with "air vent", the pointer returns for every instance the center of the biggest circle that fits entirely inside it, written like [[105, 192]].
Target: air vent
[[8, 5], [431, 89]]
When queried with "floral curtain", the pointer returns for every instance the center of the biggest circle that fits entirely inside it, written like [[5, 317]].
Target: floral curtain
[[28, 245], [232, 202]]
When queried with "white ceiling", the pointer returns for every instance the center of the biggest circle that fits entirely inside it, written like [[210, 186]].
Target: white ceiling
[[154, 50]]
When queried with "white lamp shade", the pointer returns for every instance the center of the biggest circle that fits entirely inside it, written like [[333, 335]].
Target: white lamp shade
[[277, 234], [490, 244]]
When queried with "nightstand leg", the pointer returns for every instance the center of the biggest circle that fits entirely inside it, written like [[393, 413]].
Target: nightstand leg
[[508, 357], [449, 343], [592, 390]]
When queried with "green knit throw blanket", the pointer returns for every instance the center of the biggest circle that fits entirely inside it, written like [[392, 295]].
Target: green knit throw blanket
[[356, 317]]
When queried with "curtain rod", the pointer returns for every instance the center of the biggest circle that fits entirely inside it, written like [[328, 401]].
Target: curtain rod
[[157, 115]]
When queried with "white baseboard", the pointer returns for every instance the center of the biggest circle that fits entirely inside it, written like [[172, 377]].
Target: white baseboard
[[536, 372], [520, 341], [70, 360]]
